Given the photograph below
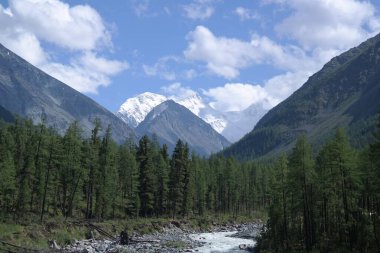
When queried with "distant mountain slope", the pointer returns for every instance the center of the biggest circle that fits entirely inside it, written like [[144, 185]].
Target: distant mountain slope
[[134, 110], [6, 115], [171, 121], [29, 92], [232, 124], [346, 92]]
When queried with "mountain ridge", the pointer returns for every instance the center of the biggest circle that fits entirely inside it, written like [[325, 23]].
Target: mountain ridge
[[232, 124], [170, 121], [342, 94], [29, 92]]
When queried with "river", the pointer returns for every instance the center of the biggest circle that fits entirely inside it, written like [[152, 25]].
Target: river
[[220, 242]]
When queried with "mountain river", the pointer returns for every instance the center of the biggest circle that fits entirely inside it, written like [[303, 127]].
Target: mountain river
[[220, 242]]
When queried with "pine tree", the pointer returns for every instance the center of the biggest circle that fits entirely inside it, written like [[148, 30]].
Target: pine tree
[[302, 176], [52, 165], [146, 177], [162, 173], [7, 174], [176, 179], [90, 160], [106, 180], [72, 173], [199, 184], [128, 180]]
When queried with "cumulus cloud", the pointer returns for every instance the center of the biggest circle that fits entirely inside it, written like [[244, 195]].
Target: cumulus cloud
[[227, 56], [78, 27], [86, 73], [177, 92], [246, 14], [329, 23], [319, 30], [223, 56], [236, 96], [199, 9], [27, 24]]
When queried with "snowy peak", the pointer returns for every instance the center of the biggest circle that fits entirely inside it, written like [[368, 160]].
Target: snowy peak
[[134, 110], [194, 103], [232, 125], [171, 121]]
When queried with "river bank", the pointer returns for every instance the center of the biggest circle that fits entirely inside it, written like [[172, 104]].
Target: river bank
[[174, 239], [173, 234]]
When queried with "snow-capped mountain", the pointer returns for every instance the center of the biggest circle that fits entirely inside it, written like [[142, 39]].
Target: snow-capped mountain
[[232, 125], [196, 105], [134, 110], [170, 121]]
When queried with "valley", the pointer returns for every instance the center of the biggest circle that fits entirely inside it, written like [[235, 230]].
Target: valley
[[202, 126]]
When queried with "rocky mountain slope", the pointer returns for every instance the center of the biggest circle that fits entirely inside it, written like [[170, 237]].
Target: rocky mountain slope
[[29, 92], [345, 93], [6, 115], [170, 121]]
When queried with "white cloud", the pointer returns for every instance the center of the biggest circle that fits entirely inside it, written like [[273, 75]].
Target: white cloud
[[227, 56], [190, 74], [223, 56], [327, 24], [236, 96], [161, 69], [199, 9], [176, 91], [246, 14], [24, 44], [27, 24], [86, 73], [141, 7], [282, 86], [79, 27]]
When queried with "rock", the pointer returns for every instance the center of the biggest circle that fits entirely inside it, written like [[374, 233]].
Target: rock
[[53, 245], [124, 238], [243, 246], [176, 223]]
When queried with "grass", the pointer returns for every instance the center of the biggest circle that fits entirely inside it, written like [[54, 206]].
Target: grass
[[36, 235]]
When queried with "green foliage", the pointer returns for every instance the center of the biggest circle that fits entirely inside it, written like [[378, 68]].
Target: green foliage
[[326, 204], [48, 175]]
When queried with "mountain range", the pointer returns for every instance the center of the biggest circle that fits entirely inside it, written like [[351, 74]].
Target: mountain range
[[29, 92], [232, 124], [344, 93]]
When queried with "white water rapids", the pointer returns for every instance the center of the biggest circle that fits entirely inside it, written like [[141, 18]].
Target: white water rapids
[[219, 242]]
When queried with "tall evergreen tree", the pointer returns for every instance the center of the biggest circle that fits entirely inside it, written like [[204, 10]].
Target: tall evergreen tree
[[301, 174], [146, 176]]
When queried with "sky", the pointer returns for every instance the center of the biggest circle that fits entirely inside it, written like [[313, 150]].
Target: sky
[[234, 53]]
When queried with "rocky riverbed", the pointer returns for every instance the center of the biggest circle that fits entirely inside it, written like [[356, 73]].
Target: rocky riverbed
[[173, 238]]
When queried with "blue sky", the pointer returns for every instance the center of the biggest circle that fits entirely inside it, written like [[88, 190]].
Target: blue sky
[[232, 52]]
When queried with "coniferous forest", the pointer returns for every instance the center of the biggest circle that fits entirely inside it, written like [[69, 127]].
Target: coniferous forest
[[325, 200], [325, 203], [44, 174]]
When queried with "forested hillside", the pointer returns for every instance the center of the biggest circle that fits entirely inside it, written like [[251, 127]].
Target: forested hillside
[[330, 203], [44, 174]]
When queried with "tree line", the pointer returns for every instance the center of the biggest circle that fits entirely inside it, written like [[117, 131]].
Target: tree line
[[44, 174], [327, 203]]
